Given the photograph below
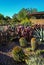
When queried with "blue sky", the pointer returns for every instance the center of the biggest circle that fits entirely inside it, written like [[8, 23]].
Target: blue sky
[[9, 7]]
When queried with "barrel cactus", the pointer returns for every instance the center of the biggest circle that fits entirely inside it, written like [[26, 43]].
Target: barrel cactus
[[18, 54], [23, 42], [33, 43]]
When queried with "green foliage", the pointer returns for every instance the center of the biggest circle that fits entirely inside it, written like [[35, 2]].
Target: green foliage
[[18, 54], [7, 19], [23, 17], [35, 60], [17, 18], [26, 22], [32, 10], [33, 43], [2, 21], [1, 16], [23, 42], [22, 14], [28, 49], [39, 52]]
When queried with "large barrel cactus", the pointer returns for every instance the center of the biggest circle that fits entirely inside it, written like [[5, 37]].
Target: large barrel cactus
[[33, 43]]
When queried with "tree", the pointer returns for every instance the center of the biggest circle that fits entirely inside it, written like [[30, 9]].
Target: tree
[[2, 19], [26, 22], [17, 18], [1, 16], [21, 15], [7, 19], [32, 10]]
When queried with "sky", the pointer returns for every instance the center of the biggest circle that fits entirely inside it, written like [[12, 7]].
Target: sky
[[10, 7]]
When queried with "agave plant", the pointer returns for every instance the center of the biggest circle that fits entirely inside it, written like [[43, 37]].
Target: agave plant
[[39, 32]]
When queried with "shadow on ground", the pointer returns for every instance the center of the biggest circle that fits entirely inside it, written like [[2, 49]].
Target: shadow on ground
[[6, 60], [41, 46], [9, 46]]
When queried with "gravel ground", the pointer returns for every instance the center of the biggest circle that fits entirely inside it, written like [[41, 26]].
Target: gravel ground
[[6, 56], [7, 60]]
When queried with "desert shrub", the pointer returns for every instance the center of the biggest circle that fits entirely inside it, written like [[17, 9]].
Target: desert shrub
[[38, 52], [18, 54], [26, 22], [23, 42], [33, 43]]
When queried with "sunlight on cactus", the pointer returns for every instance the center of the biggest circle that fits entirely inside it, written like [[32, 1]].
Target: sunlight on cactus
[[33, 43]]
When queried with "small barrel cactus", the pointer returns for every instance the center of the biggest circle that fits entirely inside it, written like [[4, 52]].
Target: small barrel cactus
[[33, 43], [18, 54], [23, 42]]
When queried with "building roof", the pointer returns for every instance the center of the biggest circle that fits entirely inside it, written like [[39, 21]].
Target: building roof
[[37, 13]]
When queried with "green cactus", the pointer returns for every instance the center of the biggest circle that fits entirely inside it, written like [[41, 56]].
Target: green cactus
[[18, 54], [33, 43], [23, 42]]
